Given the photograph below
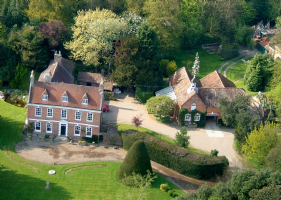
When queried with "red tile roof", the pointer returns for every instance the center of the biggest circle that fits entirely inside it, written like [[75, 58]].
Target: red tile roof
[[210, 88], [180, 81], [211, 96], [95, 78], [75, 94], [58, 72], [69, 65], [215, 80]]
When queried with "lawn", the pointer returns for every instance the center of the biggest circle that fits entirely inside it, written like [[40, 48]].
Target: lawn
[[124, 127], [237, 71], [240, 84], [222, 71], [208, 62], [25, 180]]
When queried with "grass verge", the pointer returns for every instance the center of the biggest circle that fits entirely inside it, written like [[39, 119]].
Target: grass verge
[[240, 84], [125, 127]]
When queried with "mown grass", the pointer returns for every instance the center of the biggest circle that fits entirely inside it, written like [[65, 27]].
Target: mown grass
[[237, 71], [21, 182], [240, 84], [208, 62], [222, 71], [125, 127]]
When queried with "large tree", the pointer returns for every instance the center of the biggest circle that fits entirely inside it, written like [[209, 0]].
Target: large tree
[[160, 105], [163, 15], [239, 114], [93, 35], [259, 142], [258, 72]]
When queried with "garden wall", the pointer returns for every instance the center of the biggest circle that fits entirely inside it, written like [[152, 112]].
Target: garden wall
[[179, 159]]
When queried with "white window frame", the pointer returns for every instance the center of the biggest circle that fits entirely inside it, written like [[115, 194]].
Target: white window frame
[[79, 127], [38, 112], [197, 117], [80, 115], [51, 126], [35, 126], [88, 119], [87, 128], [64, 98], [85, 101], [187, 117], [193, 106], [49, 109], [44, 97], [62, 114]]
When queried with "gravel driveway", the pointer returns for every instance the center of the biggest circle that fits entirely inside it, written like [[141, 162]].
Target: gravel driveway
[[206, 139]]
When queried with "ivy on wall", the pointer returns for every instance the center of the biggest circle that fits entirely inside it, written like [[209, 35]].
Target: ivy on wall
[[183, 112]]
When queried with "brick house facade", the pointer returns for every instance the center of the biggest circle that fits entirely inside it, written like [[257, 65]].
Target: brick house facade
[[201, 95], [63, 109]]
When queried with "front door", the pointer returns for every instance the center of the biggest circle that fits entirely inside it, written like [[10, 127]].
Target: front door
[[63, 129]]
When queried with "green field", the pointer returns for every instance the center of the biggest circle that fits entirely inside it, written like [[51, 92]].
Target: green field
[[237, 71], [124, 127], [25, 180], [240, 84], [208, 62], [222, 71]]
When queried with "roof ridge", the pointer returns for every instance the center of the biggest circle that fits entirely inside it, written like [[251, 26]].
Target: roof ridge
[[219, 75]]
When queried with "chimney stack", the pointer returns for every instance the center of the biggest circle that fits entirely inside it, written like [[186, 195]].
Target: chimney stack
[[32, 78]]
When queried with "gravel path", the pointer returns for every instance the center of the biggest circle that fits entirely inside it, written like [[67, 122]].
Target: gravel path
[[61, 152]]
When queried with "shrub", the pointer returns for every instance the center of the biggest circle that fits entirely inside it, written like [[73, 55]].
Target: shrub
[[94, 138], [181, 138], [137, 160], [171, 68], [160, 105], [137, 120], [172, 193], [179, 159], [143, 96], [163, 119], [214, 152], [109, 95], [163, 66], [164, 187]]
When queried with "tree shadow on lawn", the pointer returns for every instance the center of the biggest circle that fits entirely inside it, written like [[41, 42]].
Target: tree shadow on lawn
[[15, 186]]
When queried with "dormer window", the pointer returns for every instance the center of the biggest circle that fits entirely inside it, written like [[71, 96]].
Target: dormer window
[[65, 97], [45, 95], [85, 99]]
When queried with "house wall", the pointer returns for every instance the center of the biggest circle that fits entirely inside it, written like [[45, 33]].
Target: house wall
[[200, 106], [277, 53], [70, 120]]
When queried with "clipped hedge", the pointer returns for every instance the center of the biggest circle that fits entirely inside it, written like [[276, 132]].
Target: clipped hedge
[[179, 159], [143, 96], [183, 112]]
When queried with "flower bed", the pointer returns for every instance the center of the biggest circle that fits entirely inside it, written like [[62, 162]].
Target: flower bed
[[83, 167]]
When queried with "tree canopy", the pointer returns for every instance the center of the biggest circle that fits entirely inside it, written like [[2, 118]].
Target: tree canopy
[[160, 105]]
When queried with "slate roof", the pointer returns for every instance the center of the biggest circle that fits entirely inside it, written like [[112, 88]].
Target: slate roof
[[69, 65], [59, 74], [75, 95], [211, 96], [95, 78]]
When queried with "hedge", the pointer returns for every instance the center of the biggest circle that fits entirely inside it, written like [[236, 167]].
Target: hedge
[[179, 159], [142, 96], [183, 112]]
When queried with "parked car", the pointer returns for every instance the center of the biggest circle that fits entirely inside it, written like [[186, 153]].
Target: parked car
[[105, 108]]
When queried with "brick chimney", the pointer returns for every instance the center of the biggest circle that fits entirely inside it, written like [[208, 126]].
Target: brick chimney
[[57, 57], [175, 78]]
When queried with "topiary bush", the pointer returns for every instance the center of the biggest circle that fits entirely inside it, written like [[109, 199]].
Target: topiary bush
[[179, 159], [137, 160]]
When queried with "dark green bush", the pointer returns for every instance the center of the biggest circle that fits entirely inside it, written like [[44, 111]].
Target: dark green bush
[[181, 160], [94, 138], [214, 152], [137, 160], [143, 96], [163, 119]]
